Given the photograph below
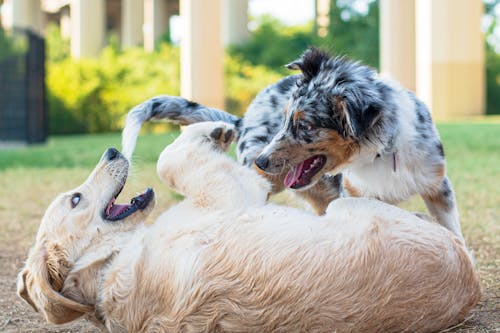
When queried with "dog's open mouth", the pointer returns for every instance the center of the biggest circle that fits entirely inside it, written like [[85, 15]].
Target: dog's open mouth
[[302, 174], [115, 212]]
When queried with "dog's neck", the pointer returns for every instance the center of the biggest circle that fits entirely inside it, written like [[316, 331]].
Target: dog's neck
[[85, 279]]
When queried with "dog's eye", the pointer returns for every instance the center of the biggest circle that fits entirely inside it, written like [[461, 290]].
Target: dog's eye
[[75, 199], [304, 126]]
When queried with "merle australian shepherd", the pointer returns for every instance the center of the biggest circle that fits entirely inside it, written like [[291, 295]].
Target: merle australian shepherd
[[336, 129]]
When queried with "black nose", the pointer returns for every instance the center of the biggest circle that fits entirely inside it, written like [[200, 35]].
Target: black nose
[[111, 154], [262, 162]]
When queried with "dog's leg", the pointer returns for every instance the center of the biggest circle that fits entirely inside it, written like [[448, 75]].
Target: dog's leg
[[442, 205], [195, 165], [327, 189]]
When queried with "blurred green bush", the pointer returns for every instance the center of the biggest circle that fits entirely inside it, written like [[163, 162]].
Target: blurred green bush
[[272, 44], [93, 95], [243, 81]]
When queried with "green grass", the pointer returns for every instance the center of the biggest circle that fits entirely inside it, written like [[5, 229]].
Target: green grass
[[80, 151]]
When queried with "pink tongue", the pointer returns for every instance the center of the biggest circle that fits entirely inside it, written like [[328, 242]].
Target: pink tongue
[[293, 175], [116, 210]]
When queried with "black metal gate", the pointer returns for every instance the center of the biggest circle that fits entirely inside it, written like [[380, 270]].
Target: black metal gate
[[23, 111]]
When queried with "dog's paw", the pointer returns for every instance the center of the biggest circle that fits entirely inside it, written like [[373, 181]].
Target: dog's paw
[[222, 135]]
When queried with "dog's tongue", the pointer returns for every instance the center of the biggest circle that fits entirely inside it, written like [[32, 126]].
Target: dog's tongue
[[113, 210], [293, 175], [116, 210]]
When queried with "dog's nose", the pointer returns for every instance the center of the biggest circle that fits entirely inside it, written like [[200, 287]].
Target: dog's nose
[[262, 162], [111, 154]]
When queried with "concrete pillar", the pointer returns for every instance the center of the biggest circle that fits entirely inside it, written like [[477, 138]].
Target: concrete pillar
[[25, 14], [132, 21], [202, 52], [450, 57], [322, 19], [87, 27], [398, 41], [235, 21], [65, 22], [156, 22]]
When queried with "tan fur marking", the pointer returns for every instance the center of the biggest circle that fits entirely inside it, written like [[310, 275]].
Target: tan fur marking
[[353, 191], [334, 146], [297, 115], [319, 196], [437, 200], [440, 172], [57, 266]]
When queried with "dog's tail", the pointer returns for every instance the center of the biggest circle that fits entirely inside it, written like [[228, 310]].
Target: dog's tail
[[175, 109]]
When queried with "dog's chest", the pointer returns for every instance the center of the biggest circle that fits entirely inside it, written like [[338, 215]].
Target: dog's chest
[[390, 178]]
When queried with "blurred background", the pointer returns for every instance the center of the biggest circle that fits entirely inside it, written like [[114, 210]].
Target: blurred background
[[77, 66]]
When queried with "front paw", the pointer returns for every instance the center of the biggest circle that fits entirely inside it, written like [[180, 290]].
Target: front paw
[[222, 136]]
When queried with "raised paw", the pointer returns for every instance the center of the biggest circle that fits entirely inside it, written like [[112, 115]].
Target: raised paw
[[222, 136]]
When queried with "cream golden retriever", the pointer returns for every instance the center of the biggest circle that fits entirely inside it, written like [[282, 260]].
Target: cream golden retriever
[[224, 260]]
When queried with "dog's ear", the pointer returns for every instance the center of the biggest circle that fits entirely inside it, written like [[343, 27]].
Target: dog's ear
[[310, 62], [294, 65], [342, 116], [353, 122], [22, 290], [43, 283]]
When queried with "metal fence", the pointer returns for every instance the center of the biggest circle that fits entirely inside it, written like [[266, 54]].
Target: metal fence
[[23, 111]]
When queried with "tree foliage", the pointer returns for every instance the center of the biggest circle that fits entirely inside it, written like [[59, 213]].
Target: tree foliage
[[354, 33], [492, 59]]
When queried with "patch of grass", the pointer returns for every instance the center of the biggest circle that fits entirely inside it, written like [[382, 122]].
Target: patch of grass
[[80, 150]]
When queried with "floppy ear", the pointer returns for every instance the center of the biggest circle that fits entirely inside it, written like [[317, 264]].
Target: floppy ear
[[22, 291], [353, 123], [48, 272], [295, 65], [344, 120]]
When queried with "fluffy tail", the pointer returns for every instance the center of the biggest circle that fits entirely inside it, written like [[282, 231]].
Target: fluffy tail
[[172, 108]]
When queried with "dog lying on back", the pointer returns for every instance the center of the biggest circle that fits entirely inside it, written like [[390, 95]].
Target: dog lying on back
[[223, 260], [340, 118]]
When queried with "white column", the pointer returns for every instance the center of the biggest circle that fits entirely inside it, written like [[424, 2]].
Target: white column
[[322, 19], [65, 22], [155, 22], [202, 52], [132, 21], [397, 41], [87, 27], [25, 14], [450, 57], [235, 21]]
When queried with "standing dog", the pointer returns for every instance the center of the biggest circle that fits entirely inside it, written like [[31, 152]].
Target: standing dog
[[336, 118], [223, 260]]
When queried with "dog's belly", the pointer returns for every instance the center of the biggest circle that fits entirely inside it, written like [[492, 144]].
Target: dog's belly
[[279, 263]]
